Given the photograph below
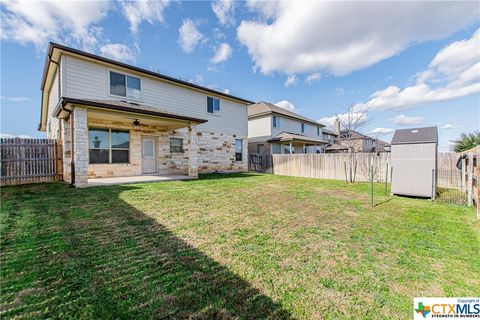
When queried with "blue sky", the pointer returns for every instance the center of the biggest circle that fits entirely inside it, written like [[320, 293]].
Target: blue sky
[[414, 64]]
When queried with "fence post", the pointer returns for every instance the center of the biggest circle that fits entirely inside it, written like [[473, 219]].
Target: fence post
[[469, 188], [386, 178], [433, 184], [371, 183]]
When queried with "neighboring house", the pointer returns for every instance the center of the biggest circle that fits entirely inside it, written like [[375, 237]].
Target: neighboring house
[[113, 119], [332, 138], [273, 130]]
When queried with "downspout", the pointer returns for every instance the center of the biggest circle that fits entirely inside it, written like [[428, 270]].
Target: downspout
[[72, 162]]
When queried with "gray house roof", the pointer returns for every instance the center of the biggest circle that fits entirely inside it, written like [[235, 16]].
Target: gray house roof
[[415, 135], [262, 108]]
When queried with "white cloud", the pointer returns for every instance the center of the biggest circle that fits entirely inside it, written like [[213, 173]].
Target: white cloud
[[143, 10], [330, 121], [224, 10], [197, 79], [381, 131], [118, 51], [285, 104], [21, 136], [311, 78], [288, 36], [403, 120], [340, 91], [227, 91], [222, 53], [16, 99], [189, 36], [291, 81], [37, 22], [449, 126], [453, 73]]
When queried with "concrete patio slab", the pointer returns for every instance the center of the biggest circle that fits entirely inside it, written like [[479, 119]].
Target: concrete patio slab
[[136, 179]]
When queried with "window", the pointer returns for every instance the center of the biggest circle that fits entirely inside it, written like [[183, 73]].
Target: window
[[260, 149], [125, 86], [213, 105], [286, 149], [176, 145], [108, 146], [303, 127], [276, 121], [318, 131], [276, 148], [238, 149]]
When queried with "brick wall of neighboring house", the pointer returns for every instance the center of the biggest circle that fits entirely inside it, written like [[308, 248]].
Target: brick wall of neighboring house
[[356, 144]]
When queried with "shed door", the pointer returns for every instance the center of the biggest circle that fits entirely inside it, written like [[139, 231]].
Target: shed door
[[148, 155]]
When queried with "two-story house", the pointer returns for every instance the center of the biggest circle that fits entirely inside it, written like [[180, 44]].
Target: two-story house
[[274, 130], [115, 120]]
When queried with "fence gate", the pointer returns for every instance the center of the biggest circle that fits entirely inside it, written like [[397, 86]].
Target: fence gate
[[27, 160]]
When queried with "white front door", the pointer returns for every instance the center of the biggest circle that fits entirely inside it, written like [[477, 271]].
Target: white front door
[[148, 155]]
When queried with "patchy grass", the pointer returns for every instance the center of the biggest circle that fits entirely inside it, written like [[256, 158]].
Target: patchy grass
[[451, 196], [226, 247]]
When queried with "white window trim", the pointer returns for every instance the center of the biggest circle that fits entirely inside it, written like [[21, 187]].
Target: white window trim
[[110, 146], [126, 96], [278, 122], [215, 113]]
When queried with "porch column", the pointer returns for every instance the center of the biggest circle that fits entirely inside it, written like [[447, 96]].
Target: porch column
[[192, 151], [80, 146], [291, 147]]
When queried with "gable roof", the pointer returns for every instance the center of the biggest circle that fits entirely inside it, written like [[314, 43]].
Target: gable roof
[[54, 45], [415, 135], [55, 50], [330, 132], [263, 108]]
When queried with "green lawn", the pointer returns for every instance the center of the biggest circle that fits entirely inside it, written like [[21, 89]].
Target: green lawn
[[227, 247]]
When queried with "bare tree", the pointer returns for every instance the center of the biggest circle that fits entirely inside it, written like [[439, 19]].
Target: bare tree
[[351, 120]]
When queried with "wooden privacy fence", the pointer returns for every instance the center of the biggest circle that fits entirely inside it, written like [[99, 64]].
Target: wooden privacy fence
[[332, 166], [27, 161]]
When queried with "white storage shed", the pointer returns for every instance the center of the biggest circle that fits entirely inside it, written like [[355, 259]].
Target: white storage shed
[[414, 162]]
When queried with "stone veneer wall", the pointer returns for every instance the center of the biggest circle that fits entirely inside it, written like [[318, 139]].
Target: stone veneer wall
[[216, 152]]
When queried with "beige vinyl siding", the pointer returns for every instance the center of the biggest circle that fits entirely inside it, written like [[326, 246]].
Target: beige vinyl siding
[[85, 79], [294, 126], [260, 129], [53, 97]]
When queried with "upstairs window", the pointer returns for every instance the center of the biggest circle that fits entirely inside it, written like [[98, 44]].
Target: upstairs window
[[125, 86], [276, 122], [318, 131], [213, 105], [303, 127]]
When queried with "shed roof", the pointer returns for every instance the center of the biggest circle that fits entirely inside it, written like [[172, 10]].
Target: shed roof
[[415, 135]]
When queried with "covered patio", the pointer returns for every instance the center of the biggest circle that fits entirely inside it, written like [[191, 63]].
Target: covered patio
[[115, 142], [292, 143]]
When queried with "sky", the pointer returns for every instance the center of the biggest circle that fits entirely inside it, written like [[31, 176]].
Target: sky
[[410, 64]]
